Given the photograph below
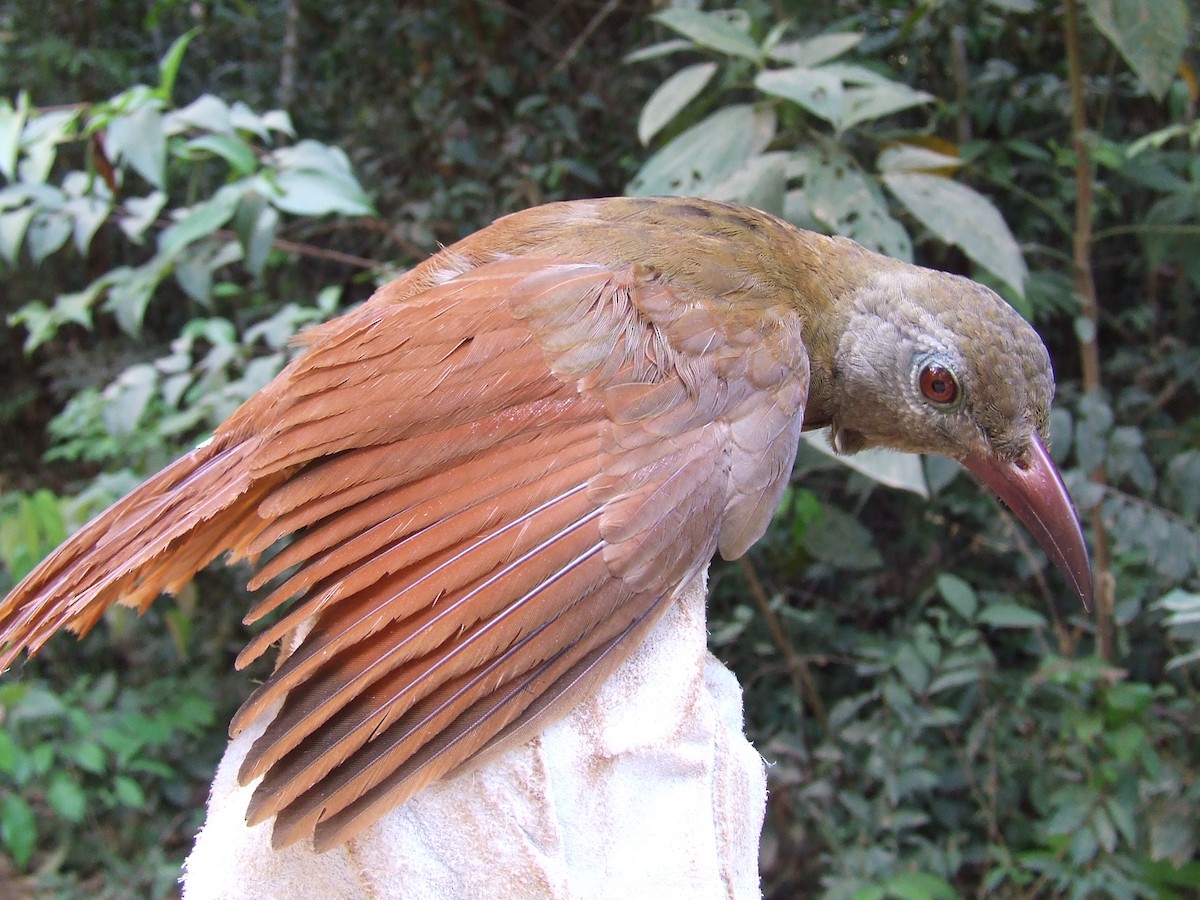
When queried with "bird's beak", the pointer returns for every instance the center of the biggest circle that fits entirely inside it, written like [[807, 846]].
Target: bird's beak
[[1034, 490]]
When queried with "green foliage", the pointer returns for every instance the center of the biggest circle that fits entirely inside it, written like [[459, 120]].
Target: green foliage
[[798, 150], [83, 771], [939, 726], [136, 133]]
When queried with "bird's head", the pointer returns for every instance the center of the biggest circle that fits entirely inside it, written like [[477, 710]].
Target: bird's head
[[935, 363]]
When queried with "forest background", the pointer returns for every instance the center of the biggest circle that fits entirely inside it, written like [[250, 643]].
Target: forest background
[[183, 185]]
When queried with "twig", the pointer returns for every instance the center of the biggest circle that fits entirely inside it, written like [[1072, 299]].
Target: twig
[[580, 39], [803, 682], [1085, 287]]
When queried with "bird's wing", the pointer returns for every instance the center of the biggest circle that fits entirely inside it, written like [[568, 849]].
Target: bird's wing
[[495, 487]]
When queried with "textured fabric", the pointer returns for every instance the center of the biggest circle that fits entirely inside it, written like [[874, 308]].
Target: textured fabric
[[647, 789]]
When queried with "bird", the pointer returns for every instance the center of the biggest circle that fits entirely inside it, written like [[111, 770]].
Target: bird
[[475, 495]]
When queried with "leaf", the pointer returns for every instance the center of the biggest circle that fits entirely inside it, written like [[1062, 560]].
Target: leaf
[[88, 214], [89, 756], [876, 101], [18, 828], [138, 139], [1010, 615], [710, 30], [671, 96], [194, 271], [314, 179], [920, 886], [1182, 483], [959, 595], [66, 798], [141, 214], [654, 51], [47, 232], [201, 220], [260, 239], [1150, 34], [963, 217], [310, 193], [888, 467], [842, 197], [168, 66], [760, 183], [842, 542], [817, 50], [911, 158], [13, 225], [817, 91], [128, 792], [12, 124], [130, 292], [229, 147], [245, 119], [205, 113], [40, 142], [278, 120], [126, 398], [707, 153]]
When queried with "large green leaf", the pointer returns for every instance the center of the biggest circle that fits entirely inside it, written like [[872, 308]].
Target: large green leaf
[[963, 217], [311, 193], [47, 232], [817, 50], [201, 220], [814, 89], [138, 138], [1151, 35], [206, 113], [761, 183], [671, 96], [878, 100], [712, 30], [897, 470], [841, 197], [229, 147], [706, 154], [314, 179], [40, 143]]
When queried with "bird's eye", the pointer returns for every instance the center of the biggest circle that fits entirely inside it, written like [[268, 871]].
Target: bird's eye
[[939, 385]]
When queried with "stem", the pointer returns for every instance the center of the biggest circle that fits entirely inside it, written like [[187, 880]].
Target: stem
[[803, 682], [289, 51], [1085, 288]]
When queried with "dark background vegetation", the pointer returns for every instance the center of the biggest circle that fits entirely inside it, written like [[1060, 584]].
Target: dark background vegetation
[[941, 717]]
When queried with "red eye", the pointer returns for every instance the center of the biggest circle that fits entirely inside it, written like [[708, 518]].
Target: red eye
[[939, 385]]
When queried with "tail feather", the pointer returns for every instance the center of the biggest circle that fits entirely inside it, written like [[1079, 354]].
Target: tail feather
[[150, 542]]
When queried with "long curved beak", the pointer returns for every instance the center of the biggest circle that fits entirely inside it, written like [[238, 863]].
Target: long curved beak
[[1034, 490]]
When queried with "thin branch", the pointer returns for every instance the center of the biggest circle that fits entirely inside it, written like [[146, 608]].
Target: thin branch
[[596, 21], [1085, 287], [802, 680]]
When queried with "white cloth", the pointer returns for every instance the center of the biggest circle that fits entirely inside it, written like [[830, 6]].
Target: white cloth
[[649, 789]]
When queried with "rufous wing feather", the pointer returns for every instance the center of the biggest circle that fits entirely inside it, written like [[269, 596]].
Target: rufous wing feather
[[495, 485]]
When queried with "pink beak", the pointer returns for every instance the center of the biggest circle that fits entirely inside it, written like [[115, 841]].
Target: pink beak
[[1034, 490]]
